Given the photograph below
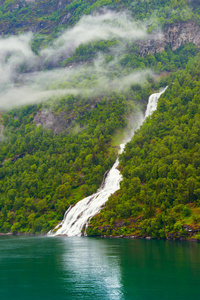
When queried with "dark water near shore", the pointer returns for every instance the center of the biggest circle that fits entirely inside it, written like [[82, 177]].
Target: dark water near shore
[[86, 268]]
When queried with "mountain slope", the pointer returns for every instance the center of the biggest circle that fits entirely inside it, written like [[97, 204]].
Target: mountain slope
[[87, 91], [159, 195]]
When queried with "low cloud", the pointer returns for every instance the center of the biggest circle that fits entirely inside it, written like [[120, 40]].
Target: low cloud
[[23, 82], [95, 28]]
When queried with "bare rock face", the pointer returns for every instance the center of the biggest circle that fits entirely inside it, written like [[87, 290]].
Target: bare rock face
[[178, 34], [174, 35], [152, 45], [57, 123]]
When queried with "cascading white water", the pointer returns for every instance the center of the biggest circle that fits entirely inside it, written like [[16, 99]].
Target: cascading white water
[[152, 103], [78, 216]]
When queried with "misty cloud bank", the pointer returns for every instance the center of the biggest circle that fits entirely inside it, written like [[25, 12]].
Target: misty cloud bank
[[95, 28], [22, 80]]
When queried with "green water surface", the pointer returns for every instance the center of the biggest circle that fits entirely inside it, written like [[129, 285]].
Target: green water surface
[[88, 268]]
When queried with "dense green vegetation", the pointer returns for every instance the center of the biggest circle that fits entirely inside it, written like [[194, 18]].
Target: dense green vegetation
[[129, 61], [130, 58], [43, 173], [160, 192], [50, 17]]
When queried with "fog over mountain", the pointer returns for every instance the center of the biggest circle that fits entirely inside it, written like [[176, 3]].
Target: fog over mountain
[[23, 80]]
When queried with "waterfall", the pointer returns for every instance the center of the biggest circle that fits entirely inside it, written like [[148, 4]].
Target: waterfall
[[152, 103], [79, 215]]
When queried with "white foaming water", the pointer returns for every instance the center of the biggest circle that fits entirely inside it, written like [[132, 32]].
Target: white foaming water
[[152, 103], [79, 215]]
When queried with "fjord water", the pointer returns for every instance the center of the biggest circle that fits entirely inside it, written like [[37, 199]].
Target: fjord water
[[89, 268], [79, 215]]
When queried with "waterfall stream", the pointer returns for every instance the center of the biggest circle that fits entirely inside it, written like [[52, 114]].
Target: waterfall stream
[[79, 215]]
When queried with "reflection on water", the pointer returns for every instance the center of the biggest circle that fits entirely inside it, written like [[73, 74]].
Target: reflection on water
[[93, 267], [41, 268]]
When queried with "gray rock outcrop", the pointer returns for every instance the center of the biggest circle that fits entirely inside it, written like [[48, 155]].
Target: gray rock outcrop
[[49, 120], [174, 35]]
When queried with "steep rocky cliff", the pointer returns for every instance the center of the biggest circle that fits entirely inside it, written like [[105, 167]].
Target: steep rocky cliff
[[174, 35]]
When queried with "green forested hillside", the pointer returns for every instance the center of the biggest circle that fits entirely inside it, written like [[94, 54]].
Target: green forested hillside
[[44, 171], [160, 192], [42, 174], [48, 17]]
